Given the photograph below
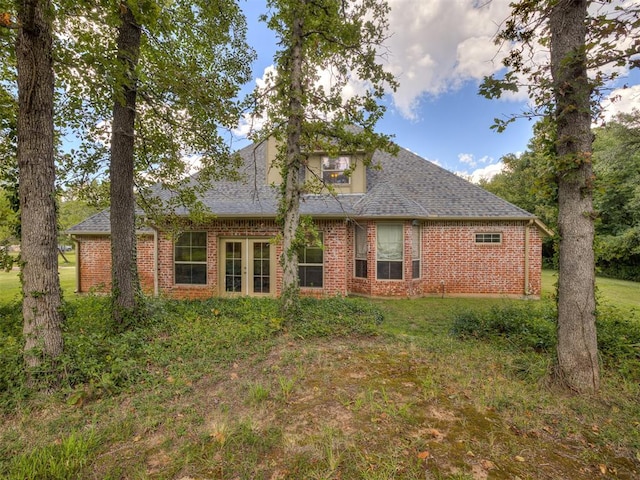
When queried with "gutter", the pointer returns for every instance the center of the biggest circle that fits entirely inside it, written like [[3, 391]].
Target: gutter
[[527, 241], [156, 288]]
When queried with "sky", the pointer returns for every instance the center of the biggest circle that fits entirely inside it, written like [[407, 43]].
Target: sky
[[439, 51]]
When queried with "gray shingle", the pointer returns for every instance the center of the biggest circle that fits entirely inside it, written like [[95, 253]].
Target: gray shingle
[[406, 186]]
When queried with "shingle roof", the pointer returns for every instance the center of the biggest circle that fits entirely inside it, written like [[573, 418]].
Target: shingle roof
[[405, 186]]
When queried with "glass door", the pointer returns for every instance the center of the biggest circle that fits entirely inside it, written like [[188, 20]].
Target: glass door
[[247, 267]]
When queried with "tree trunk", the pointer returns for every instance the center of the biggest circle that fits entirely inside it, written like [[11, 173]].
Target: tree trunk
[[125, 283], [39, 234], [292, 167], [577, 341]]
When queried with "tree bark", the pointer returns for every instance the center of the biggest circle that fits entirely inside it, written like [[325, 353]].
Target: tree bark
[[125, 282], [293, 165], [577, 340], [39, 234]]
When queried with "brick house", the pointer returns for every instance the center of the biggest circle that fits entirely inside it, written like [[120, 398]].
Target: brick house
[[403, 228]]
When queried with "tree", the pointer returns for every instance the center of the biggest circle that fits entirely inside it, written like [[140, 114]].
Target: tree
[[579, 39], [35, 148], [343, 39], [125, 285], [178, 67]]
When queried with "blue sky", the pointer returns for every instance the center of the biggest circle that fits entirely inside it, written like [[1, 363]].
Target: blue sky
[[439, 51]]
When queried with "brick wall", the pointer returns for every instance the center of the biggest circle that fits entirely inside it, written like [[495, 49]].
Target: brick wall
[[94, 260], [451, 262]]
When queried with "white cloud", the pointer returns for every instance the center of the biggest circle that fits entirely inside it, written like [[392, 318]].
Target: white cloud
[[467, 159], [484, 173], [622, 100], [437, 45]]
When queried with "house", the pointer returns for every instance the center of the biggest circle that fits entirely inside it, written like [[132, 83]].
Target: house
[[404, 228]]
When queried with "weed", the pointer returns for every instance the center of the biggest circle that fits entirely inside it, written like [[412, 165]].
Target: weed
[[286, 386], [258, 393], [61, 461]]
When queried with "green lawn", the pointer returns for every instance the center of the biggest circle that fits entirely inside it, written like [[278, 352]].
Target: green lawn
[[10, 283], [619, 293]]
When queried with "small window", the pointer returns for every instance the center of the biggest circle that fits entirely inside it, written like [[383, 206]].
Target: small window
[[488, 238], [415, 251], [390, 252], [362, 249], [311, 265], [190, 258], [336, 171]]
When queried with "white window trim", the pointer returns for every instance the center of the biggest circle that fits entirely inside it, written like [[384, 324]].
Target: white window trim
[[182, 262], [484, 235]]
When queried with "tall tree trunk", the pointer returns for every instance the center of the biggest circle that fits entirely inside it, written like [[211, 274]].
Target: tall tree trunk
[[292, 168], [577, 341], [125, 282], [39, 237]]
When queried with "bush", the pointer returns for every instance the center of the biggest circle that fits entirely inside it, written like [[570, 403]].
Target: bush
[[526, 326], [337, 316], [619, 340]]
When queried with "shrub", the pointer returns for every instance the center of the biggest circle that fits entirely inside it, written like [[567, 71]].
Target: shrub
[[619, 340], [525, 325]]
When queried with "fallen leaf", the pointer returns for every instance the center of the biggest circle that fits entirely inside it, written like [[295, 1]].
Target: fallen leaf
[[424, 455], [595, 428], [519, 458], [434, 432], [603, 468], [234, 376], [487, 464]]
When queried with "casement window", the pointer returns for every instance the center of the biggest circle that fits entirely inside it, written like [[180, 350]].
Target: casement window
[[492, 238], [361, 251], [415, 251], [389, 251], [190, 258], [335, 170], [311, 265]]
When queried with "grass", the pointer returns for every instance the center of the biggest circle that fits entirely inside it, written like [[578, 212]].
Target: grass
[[10, 283], [224, 389]]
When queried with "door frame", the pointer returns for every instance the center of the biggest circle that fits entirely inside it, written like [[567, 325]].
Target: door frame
[[247, 266]]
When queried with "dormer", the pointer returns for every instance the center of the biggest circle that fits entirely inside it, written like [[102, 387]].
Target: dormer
[[344, 174]]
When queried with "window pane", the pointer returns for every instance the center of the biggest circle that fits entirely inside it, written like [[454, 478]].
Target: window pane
[[183, 273], [389, 270], [415, 242], [310, 276], [199, 239], [199, 274], [313, 255], [361, 242], [199, 254], [183, 254], [333, 170], [361, 268], [389, 242], [415, 266]]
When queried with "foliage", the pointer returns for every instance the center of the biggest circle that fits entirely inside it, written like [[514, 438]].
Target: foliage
[[62, 461], [533, 327], [526, 182], [522, 326], [193, 60]]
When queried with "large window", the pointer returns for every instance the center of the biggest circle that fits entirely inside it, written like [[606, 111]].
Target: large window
[[362, 249], [335, 170], [390, 252], [190, 258], [311, 265], [415, 251]]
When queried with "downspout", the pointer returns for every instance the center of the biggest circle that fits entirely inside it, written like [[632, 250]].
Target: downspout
[[77, 242], [527, 241], [156, 288]]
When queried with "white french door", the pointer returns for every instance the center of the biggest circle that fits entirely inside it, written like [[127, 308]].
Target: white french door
[[247, 266]]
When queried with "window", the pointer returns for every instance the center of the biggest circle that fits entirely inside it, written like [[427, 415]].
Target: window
[[390, 252], [336, 170], [190, 258], [415, 251], [311, 265], [362, 248], [489, 238]]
